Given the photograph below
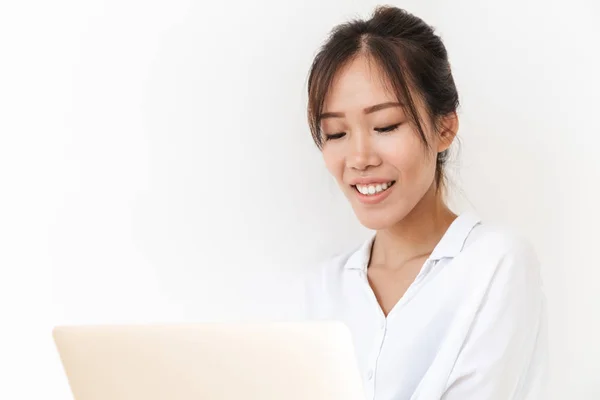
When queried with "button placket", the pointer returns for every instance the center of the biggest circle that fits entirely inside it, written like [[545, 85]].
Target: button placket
[[379, 335]]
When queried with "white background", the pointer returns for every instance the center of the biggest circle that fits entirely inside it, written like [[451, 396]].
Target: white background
[[156, 166]]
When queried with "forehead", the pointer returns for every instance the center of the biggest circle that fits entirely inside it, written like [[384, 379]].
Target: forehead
[[359, 84]]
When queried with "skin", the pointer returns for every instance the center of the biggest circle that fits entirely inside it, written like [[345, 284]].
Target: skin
[[367, 135]]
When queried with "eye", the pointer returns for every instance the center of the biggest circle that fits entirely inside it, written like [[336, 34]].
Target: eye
[[387, 128], [334, 136]]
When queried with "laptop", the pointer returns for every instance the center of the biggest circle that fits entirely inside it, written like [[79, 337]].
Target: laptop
[[216, 361]]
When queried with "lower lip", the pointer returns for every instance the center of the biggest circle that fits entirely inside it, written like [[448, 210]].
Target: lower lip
[[373, 198]]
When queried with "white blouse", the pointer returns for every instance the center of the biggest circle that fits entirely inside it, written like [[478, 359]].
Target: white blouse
[[471, 326]]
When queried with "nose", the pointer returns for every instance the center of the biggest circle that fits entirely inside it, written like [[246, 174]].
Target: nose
[[362, 153]]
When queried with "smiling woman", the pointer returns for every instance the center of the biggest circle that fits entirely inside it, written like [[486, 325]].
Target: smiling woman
[[373, 141], [441, 306]]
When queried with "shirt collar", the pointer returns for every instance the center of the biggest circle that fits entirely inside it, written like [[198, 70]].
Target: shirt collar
[[451, 244]]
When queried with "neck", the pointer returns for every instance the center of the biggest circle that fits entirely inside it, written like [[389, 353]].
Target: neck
[[416, 235]]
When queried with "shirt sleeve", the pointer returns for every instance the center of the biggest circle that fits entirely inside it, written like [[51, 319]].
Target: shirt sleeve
[[504, 356]]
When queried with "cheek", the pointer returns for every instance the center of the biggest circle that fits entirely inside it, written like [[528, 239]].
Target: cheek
[[410, 158], [334, 161]]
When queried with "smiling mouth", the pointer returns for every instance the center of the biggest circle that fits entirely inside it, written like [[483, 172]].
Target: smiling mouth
[[373, 189]]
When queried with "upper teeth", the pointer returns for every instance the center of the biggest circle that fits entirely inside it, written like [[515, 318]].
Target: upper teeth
[[372, 189]]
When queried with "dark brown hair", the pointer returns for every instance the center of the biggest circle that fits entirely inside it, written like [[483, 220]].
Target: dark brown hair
[[411, 56]]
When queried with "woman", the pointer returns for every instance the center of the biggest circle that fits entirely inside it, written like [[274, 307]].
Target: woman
[[440, 306]]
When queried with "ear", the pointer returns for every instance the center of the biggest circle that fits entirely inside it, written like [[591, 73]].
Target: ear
[[448, 128]]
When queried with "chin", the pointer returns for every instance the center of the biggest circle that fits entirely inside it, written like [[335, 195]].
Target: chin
[[378, 219]]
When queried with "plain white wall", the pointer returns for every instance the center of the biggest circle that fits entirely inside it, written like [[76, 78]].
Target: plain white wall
[[156, 165]]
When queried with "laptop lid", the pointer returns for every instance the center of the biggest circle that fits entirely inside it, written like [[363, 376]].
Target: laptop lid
[[217, 361]]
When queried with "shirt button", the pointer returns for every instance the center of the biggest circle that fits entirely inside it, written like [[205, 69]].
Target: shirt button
[[370, 374]]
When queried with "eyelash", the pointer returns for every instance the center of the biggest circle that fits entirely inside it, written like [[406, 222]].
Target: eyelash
[[340, 135], [388, 128]]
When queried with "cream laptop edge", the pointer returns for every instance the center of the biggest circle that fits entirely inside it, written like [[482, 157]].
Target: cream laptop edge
[[216, 361]]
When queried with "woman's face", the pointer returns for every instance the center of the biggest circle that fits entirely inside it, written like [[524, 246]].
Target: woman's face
[[376, 156]]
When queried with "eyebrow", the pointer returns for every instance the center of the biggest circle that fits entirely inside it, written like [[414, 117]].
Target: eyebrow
[[368, 110]]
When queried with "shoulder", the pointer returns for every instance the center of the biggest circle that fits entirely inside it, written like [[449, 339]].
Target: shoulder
[[353, 259], [329, 270], [490, 240], [503, 255], [324, 284]]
